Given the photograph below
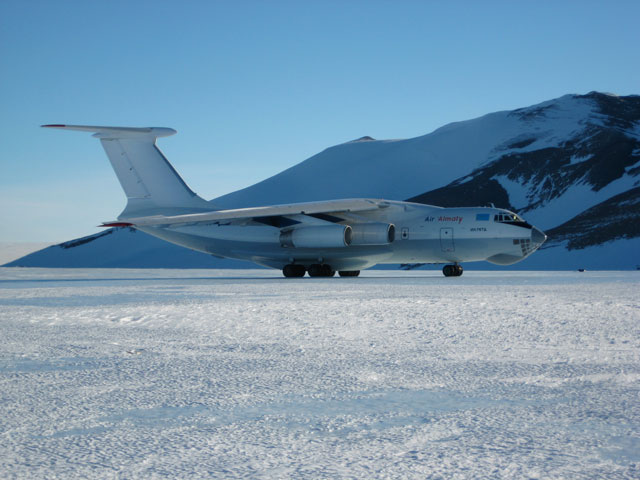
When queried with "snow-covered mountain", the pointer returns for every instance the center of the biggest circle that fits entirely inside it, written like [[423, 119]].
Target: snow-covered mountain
[[571, 166], [573, 170]]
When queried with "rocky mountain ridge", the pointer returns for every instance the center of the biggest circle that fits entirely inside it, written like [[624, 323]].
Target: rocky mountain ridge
[[601, 156]]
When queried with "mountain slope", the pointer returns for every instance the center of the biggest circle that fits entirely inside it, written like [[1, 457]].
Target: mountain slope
[[394, 169], [613, 219], [571, 166], [555, 180], [122, 248]]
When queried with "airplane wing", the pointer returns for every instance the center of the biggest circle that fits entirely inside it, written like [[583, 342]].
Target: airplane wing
[[307, 208]]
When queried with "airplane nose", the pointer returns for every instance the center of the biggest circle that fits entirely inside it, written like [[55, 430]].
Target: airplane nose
[[537, 236]]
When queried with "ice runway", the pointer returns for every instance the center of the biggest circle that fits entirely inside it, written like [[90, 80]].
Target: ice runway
[[227, 374]]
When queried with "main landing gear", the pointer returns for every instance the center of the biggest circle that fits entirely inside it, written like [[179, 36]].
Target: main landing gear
[[349, 273], [454, 270], [321, 270], [316, 270], [292, 270]]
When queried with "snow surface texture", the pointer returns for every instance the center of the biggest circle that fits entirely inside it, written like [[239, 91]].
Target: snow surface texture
[[226, 374]]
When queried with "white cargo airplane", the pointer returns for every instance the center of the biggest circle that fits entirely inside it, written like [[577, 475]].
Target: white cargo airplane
[[314, 237]]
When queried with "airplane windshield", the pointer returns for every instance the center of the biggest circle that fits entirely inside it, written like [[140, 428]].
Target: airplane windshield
[[507, 217], [510, 218]]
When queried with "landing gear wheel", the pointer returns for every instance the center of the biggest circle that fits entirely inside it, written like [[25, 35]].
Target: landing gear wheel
[[349, 273], [292, 271], [452, 270], [324, 270]]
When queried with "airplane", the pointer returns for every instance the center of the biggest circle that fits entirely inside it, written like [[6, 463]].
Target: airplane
[[318, 238]]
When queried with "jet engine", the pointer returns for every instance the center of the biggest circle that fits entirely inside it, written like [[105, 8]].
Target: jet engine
[[373, 233], [320, 236]]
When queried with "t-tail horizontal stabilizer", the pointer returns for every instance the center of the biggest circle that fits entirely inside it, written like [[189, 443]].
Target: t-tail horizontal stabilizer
[[150, 182]]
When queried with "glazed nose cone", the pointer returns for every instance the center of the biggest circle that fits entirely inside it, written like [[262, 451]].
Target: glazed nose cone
[[537, 236]]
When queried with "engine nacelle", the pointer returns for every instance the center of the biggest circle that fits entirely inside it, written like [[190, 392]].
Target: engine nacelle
[[373, 233], [320, 236]]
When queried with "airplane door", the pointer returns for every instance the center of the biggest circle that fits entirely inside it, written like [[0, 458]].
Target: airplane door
[[446, 240]]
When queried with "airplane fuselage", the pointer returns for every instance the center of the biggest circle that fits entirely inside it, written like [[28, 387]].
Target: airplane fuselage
[[422, 234]]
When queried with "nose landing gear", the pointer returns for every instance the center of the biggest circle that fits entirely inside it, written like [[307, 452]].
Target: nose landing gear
[[454, 270]]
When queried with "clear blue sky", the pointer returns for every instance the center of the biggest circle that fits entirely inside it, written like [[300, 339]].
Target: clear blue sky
[[254, 87]]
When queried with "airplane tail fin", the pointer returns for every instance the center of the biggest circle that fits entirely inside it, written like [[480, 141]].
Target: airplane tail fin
[[150, 182]]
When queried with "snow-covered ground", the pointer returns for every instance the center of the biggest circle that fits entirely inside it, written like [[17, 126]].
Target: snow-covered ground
[[208, 373]]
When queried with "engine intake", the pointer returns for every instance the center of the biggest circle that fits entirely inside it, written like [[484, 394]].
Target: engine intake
[[373, 233], [321, 236]]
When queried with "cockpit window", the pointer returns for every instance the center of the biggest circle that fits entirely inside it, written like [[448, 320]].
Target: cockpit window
[[507, 217], [510, 219]]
